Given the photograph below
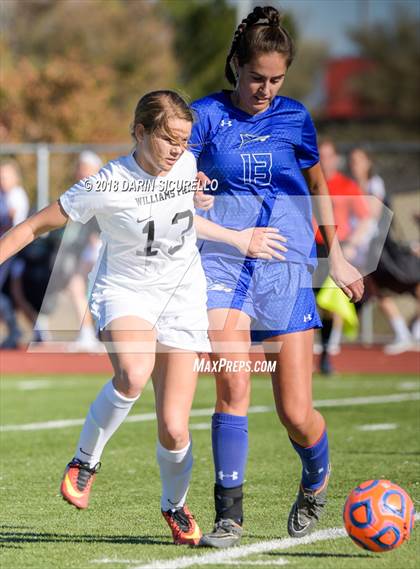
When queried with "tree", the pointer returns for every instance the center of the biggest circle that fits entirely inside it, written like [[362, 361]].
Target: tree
[[304, 78], [78, 74], [203, 32], [394, 83]]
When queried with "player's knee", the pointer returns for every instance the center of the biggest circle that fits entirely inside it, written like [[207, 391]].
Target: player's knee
[[131, 378], [234, 391], [296, 418], [174, 435]]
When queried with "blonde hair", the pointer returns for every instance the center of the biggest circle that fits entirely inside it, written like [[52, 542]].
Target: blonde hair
[[156, 108]]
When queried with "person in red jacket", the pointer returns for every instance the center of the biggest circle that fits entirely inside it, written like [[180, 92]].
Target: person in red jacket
[[352, 218]]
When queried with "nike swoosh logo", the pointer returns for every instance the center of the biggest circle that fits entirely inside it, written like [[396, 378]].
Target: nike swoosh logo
[[84, 452], [69, 488], [145, 219], [195, 533]]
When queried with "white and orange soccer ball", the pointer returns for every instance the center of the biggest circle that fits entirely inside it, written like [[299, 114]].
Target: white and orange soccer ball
[[379, 515]]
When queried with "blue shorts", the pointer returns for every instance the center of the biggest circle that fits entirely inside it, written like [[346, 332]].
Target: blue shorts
[[276, 295]]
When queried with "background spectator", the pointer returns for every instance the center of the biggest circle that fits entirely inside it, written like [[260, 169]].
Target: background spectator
[[88, 164], [352, 218], [372, 184], [14, 208]]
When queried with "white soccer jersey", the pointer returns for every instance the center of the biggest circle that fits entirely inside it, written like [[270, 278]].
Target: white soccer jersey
[[146, 221], [149, 265]]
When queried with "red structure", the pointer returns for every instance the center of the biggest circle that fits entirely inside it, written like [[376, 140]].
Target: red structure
[[343, 80]]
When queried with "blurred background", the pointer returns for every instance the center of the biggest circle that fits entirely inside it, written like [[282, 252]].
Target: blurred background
[[73, 70]]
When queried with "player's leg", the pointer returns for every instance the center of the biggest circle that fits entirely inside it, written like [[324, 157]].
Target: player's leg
[[325, 366], [174, 383], [86, 338], [292, 388], [403, 340], [122, 337], [229, 333], [320, 274]]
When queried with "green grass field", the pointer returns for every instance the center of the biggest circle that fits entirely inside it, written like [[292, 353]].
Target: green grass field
[[123, 526]]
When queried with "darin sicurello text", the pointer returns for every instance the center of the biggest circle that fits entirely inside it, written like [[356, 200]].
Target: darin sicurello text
[[174, 187]]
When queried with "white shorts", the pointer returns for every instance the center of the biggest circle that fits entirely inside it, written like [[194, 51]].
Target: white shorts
[[178, 314]]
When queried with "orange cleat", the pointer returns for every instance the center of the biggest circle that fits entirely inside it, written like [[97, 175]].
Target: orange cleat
[[185, 530], [77, 482]]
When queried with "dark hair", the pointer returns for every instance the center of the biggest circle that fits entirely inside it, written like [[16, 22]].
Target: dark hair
[[260, 32], [326, 141], [368, 154], [155, 108]]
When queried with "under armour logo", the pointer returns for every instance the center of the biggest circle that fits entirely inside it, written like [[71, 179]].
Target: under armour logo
[[249, 138], [226, 123], [221, 475], [307, 318]]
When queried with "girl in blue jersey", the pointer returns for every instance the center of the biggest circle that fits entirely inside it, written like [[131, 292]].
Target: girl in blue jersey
[[262, 149]]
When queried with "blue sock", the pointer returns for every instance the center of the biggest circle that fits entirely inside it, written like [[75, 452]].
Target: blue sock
[[315, 460], [230, 448]]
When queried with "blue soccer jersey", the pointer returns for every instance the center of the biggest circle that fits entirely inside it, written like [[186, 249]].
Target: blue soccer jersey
[[257, 160]]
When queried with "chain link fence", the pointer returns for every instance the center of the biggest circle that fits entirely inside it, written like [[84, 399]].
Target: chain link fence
[[48, 170]]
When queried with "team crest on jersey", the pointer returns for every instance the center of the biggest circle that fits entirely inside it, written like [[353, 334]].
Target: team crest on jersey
[[249, 138]]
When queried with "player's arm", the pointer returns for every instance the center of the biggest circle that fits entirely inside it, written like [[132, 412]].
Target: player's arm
[[361, 211], [256, 242], [49, 218], [344, 274]]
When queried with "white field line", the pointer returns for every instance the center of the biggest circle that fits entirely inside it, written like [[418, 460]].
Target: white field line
[[270, 563], [31, 385], [409, 385], [200, 426], [342, 402], [35, 384], [377, 427], [225, 556], [108, 560]]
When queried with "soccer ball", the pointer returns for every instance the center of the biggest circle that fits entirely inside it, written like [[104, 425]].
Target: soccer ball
[[378, 515]]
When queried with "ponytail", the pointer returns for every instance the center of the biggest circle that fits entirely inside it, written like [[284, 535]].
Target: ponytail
[[260, 32]]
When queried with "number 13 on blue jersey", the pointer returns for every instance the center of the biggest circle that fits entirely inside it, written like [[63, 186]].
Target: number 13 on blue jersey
[[257, 168]]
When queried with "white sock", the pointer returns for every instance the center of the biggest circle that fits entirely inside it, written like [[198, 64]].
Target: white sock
[[415, 330], [335, 337], [402, 333], [106, 414], [175, 474]]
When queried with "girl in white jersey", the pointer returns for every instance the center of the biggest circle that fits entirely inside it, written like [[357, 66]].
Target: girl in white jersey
[[148, 290]]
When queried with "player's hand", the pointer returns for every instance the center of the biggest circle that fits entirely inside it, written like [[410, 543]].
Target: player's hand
[[348, 279], [261, 243], [202, 200]]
